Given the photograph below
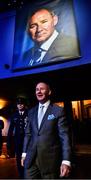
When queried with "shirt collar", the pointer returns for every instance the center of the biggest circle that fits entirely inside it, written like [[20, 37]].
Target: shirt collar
[[46, 104], [21, 112], [45, 46]]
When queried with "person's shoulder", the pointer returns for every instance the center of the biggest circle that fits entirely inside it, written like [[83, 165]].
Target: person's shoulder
[[66, 37], [26, 57], [26, 110], [15, 114], [57, 107], [64, 41], [57, 110], [33, 109], [68, 45], [28, 53]]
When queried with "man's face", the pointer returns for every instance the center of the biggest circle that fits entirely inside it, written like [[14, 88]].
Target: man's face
[[42, 92], [42, 25], [20, 107]]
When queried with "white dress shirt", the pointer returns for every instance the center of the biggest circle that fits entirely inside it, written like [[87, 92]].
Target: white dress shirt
[[45, 106], [21, 112]]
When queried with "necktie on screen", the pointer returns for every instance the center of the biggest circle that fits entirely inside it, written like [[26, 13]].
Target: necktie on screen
[[36, 57], [40, 115]]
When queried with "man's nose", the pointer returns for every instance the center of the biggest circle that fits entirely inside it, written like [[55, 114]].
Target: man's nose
[[39, 91], [39, 27]]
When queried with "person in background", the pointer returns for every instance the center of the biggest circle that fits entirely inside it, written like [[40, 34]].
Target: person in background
[[18, 123], [47, 147], [1, 140], [49, 44]]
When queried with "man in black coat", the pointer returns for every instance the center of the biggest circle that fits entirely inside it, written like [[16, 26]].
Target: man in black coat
[[18, 123], [1, 141], [47, 147]]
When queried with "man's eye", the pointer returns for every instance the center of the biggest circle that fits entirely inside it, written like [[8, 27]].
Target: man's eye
[[32, 26], [44, 21]]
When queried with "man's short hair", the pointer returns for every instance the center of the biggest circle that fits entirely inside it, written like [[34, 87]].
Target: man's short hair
[[35, 11]]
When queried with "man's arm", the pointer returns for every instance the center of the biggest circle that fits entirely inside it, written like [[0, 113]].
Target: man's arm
[[66, 145]]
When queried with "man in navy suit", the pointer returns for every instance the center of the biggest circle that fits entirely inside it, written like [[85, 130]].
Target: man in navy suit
[[47, 148], [49, 44]]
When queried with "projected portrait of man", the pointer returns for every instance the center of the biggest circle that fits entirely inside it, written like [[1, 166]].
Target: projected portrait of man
[[49, 44]]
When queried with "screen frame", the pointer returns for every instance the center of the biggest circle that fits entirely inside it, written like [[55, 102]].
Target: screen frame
[[21, 35]]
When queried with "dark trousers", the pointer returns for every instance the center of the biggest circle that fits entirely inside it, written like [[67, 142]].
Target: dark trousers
[[34, 172], [19, 167]]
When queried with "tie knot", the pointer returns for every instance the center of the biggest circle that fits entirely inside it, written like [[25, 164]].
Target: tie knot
[[42, 106]]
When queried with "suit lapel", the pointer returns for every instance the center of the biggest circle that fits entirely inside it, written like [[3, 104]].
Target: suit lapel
[[53, 51], [36, 117], [56, 50]]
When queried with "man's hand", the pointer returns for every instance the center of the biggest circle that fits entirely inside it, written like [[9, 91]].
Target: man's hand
[[65, 170], [22, 161]]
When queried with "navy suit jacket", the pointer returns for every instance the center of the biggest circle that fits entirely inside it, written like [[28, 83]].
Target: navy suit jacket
[[51, 142]]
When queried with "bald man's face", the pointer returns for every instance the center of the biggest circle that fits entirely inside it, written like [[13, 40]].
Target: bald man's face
[[42, 25], [42, 92]]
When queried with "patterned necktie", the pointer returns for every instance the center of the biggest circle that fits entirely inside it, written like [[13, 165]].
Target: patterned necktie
[[40, 115], [36, 57]]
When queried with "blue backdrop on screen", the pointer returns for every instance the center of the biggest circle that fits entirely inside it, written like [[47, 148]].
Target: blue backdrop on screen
[[62, 44], [82, 14]]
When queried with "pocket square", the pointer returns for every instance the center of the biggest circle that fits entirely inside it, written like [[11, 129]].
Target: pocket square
[[51, 117]]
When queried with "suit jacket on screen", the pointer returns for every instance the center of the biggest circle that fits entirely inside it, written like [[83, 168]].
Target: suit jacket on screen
[[50, 143], [64, 47]]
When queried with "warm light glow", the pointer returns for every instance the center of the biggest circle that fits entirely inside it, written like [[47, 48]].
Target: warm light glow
[[75, 108], [6, 126], [3, 118], [86, 102], [3, 103]]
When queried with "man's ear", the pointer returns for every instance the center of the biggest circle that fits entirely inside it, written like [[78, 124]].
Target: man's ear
[[49, 92], [55, 17]]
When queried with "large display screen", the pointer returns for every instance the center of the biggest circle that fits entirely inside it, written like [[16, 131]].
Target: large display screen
[[45, 34]]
